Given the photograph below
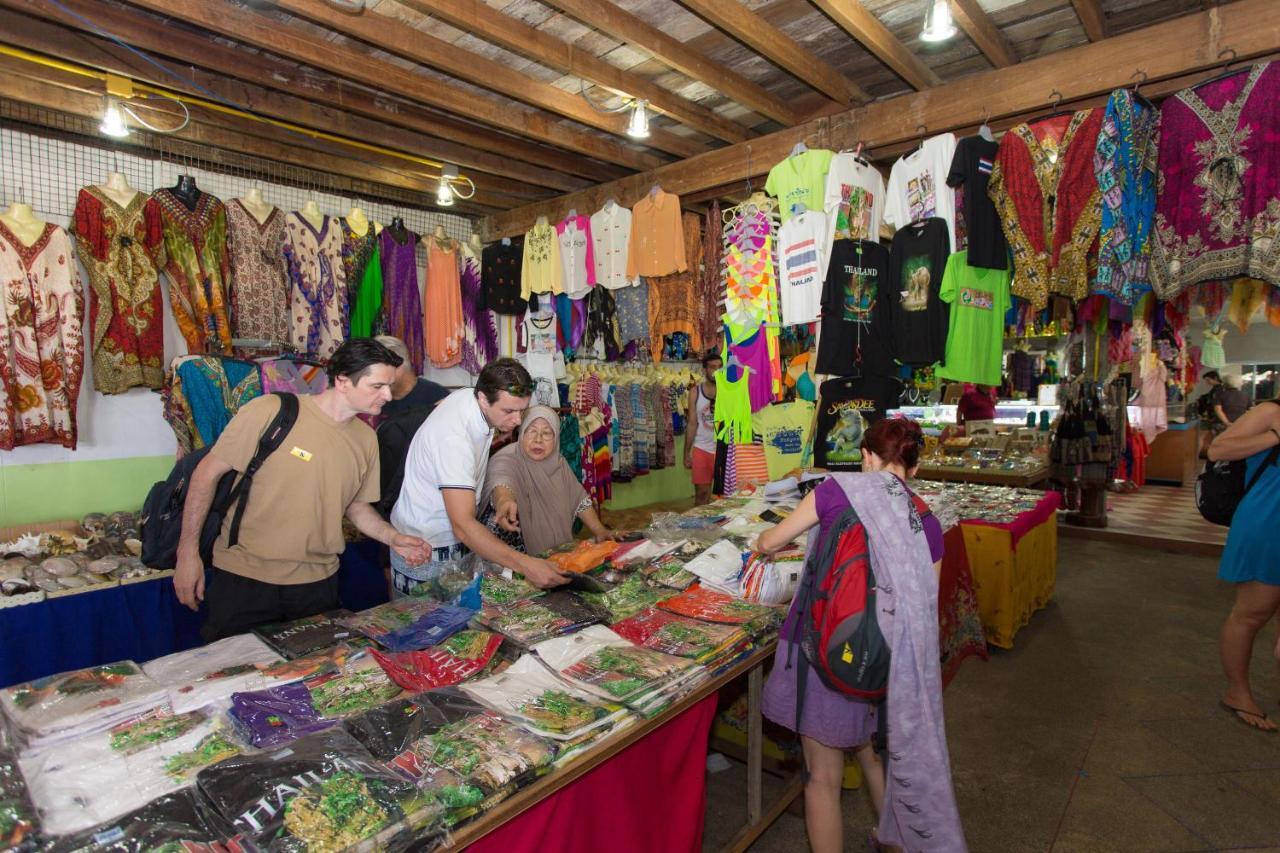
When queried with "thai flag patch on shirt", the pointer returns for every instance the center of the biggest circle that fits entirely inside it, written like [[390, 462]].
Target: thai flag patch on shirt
[[985, 165]]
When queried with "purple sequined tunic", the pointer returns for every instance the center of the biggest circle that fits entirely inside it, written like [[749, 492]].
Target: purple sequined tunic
[[1218, 183], [401, 298], [480, 338]]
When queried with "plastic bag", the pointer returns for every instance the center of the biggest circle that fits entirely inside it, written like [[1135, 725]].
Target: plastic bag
[[543, 703], [18, 819], [718, 567], [698, 602], [306, 636], [208, 674], [601, 662], [458, 658], [669, 571], [773, 580], [276, 715], [531, 620], [627, 598], [176, 821], [409, 624], [320, 792], [675, 527], [681, 636], [497, 589]]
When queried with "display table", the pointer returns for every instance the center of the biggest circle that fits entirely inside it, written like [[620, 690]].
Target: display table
[[960, 632], [984, 476], [1174, 455], [139, 621], [1014, 567]]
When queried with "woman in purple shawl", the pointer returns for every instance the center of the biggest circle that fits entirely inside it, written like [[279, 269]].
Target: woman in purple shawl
[[912, 795]]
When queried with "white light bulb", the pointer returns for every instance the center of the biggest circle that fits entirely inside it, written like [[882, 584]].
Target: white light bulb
[[938, 25], [444, 193], [113, 121], [638, 127]]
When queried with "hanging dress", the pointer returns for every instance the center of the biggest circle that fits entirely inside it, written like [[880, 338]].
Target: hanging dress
[[363, 271], [480, 334], [313, 257], [259, 282], [400, 295], [41, 339], [1124, 164], [1212, 355], [122, 249], [1046, 194], [673, 305], [443, 309], [195, 245], [1218, 204]]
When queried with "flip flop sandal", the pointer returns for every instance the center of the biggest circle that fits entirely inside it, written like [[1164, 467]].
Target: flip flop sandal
[[1236, 712]]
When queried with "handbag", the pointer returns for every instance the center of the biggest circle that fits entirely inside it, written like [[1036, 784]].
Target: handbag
[[1221, 487]]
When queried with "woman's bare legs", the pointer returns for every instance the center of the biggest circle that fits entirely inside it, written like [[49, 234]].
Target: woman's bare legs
[[1256, 603], [822, 817]]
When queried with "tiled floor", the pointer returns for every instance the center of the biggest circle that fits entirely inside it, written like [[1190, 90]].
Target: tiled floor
[[1162, 517]]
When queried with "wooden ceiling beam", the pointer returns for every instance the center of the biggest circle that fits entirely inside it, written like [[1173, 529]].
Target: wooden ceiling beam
[[1166, 51], [1091, 18], [251, 28], [616, 22], [389, 34], [857, 21], [483, 21], [983, 32], [53, 40], [779, 48], [70, 100]]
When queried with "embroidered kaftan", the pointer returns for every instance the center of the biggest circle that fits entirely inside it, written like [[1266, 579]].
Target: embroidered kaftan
[[400, 292], [443, 304], [195, 245], [1124, 163], [480, 334], [318, 284], [122, 249], [1218, 184], [362, 268], [41, 339], [672, 298], [259, 283]]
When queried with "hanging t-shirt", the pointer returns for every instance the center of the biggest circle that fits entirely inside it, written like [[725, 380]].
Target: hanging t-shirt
[[799, 179], [854, 200], [803, 241], [971, 168], [577, 255], [540, 356], [979, 298], [917, 260], [846, 407], [856, 337], [500, 276], [785, 429], [918, 186]]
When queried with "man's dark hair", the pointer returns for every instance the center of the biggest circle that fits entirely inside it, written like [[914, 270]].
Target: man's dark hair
[[712, 355], [504, 374], [1212, 374], [354, 358]]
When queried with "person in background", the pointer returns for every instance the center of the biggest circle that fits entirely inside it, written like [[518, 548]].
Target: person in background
[[444, 475], [409, 391], [1229, 402], [976, 404], [533, 490], [1249, 558], [700, 434], [285, 563], [906, 548]]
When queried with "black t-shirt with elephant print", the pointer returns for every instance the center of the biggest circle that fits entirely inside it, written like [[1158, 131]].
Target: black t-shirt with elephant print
[[918, 316]]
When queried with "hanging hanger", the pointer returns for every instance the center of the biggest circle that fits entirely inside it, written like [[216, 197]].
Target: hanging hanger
[[1227, 70], [1138, 96], [798, 149], [921, 130], [985, 130], [1055, 99]]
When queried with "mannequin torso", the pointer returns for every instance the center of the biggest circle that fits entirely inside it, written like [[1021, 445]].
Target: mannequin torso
[[359, 223], [311, 212], [258, 207], [22, 221], [186, 191], [117, 189]]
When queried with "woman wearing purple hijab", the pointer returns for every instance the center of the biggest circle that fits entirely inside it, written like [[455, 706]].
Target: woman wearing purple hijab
[[912, 793]]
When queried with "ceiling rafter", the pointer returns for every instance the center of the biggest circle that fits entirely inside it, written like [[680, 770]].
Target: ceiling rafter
[[857, 21], [54, 39], [485, 22], [1091, 18], [777, 47], [626, 27], [252, 28], [1169, 52], [983, 32], [398, 37]]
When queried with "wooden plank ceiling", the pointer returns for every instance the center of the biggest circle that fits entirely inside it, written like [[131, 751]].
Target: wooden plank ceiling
[[496, 86]]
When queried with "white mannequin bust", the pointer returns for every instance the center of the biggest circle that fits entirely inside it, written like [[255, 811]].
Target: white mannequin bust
[[311, 212], [117, 189], [360, 223], [22, 221], [258, 207]]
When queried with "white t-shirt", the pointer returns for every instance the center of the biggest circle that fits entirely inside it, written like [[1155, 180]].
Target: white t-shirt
[[449, 451], [540, 356], [854, 200], [610, 233], [802, 266], [574, 236], [918, 185]]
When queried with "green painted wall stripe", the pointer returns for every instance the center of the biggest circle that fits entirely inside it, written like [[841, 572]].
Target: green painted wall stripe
[[667, 484], [55, 491]]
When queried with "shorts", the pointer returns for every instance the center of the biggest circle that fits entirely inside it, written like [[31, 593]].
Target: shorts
[[704, 464], [406, 578]]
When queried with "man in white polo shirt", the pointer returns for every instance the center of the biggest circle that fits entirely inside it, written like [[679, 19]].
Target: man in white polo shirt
[[444, 477]]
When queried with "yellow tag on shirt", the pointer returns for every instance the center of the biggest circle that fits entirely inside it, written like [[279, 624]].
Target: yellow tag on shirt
[[847, 656], [304, 455]]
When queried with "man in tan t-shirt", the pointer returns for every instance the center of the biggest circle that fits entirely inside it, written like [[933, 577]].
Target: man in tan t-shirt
[[284, 565]]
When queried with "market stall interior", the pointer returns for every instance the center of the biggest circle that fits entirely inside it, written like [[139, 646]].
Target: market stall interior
[[723, 241]]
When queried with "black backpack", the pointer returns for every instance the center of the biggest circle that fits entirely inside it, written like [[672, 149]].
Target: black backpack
[[161, 522], [1221, 487]]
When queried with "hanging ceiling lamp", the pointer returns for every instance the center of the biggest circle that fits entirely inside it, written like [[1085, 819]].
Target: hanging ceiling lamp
[[638, 126], [450, 181], [113, 121], [938, 25]]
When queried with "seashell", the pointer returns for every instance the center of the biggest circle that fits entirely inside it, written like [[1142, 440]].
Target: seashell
[[99, 549], [104, 566], [13, 568], [133, 546], [48, 584], [94, 522], [60, 567], [82, 542], [95, 577], [73, 581]]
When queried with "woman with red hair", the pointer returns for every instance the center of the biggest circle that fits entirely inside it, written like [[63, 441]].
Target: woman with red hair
[[904, 539]]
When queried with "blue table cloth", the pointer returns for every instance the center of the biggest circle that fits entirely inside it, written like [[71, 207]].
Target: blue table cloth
[[139, 621]]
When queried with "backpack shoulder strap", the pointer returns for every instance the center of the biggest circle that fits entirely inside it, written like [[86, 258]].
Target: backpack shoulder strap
[[272, 437]]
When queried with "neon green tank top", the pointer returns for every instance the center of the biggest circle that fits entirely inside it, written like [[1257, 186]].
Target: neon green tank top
[[733, 407]]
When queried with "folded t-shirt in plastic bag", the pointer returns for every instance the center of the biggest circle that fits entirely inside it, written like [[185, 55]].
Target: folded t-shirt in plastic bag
[[209, 674], [698, 602], [179, 821], [669, 571], [719, 566], [408, 624], [323, 792], [277, 715], [627, 598], [679, 635], [542, 702], [305, 636], [499, 589], [601, 662], [530, 620], [458, 658], [18, 819]]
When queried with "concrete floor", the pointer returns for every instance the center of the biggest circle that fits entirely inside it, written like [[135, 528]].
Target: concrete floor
[[1100, 731]]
